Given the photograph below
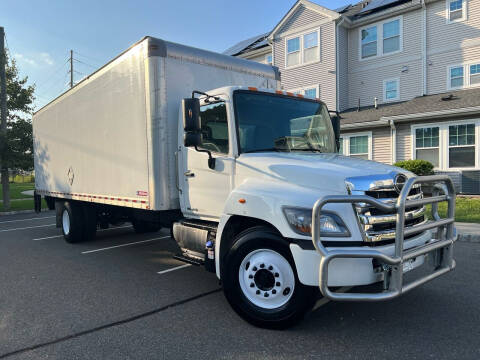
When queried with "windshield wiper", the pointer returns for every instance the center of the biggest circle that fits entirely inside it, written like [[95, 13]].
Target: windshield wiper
[[262, 150], [308, 149]]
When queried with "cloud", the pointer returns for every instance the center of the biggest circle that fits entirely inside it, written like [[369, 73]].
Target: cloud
[[42, 58], [23, 58], [46, 58]]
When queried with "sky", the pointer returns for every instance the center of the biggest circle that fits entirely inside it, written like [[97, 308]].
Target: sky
[[41, 33]]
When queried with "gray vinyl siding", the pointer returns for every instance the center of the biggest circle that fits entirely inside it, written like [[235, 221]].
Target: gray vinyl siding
[[320, 73], [366, 76], [450, 44], [302, 17], [259, 58], [342, 41]]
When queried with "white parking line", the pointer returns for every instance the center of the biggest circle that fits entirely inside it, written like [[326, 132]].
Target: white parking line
[[128, 244], [25, 228], [324, 300], [57, 236], [37, 218], [173, 269]]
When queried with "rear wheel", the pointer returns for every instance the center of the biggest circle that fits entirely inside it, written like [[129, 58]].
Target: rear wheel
[[261, 283], [72, 222]]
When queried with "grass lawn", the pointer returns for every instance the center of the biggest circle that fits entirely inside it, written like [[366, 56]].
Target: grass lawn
[[22, 205], [466, 210], [16, 190]]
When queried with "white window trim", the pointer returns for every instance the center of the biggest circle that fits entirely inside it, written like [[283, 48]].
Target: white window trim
[[302, 89], [443, 143], [464, 12], [466, 75], [346, 143], [385, 90], [300, 36], [380, 39]]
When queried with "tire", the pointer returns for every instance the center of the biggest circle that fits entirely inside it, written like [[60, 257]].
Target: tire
[[260, 280], [90, 217], [72, 221], [141, 226]]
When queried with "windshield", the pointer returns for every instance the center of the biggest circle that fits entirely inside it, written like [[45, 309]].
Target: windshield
[[269, 122]]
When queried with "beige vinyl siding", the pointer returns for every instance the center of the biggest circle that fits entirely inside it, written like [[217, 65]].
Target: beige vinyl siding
[[366, 76], [382, 145], [450, 44], [441, 35], [320, 73], [404, 147], [342, 41], [438, 70], [259, 58], [302, 17]]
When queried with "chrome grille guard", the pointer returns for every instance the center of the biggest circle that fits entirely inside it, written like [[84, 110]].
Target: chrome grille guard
[[440, 249]]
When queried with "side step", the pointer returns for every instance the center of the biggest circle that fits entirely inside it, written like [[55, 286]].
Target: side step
[[188, 260]]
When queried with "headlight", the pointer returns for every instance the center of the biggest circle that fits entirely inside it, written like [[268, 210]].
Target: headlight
[[300, 221]]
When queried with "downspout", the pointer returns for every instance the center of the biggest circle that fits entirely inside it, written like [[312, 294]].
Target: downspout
[[337, 56], [393, 136], [424, 47]]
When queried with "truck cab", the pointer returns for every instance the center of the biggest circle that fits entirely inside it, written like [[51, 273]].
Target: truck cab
[[254, 164]]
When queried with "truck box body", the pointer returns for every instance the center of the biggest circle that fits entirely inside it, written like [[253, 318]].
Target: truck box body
[[112, 138]]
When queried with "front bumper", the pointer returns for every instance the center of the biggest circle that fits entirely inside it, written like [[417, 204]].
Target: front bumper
[[438, 250], [349, 271]]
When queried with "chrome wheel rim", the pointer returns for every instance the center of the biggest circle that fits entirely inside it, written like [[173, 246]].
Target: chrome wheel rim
[[266, 278], [66, 222]]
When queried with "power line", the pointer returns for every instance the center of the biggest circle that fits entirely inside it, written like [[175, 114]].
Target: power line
[[84, 63], [89, 57]]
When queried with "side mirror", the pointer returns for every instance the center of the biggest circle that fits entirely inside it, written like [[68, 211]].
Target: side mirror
[[336, 129], [192, 139], [191, 115]]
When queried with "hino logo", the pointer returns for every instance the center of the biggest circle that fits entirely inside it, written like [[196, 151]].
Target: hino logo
[[399, 182]]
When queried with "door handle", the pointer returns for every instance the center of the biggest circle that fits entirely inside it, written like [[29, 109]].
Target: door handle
[[189, 174]]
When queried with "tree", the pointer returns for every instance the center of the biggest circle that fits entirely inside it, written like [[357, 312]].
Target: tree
[[16, 149]]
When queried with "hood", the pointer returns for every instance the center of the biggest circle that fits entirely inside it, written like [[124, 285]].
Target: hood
[[319, 171]]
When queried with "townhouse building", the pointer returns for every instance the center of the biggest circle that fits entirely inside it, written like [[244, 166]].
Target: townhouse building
[[403, 74]]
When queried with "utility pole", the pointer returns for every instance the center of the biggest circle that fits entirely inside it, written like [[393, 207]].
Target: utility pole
[[3, 120], [71, 69]]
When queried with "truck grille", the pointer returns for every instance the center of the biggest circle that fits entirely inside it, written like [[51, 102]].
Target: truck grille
[[379, 226]]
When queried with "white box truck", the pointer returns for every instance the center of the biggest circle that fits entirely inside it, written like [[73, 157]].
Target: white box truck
[[247, 176]]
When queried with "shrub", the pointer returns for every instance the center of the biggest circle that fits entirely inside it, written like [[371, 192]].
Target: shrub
[[418, 167]]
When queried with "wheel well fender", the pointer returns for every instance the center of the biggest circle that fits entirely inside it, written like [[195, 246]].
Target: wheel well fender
[[237, 224]]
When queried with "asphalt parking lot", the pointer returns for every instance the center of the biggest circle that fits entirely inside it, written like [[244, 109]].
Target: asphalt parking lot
[[123, 296]]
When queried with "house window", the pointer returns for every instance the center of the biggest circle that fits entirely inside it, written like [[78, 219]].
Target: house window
[[293, 51], [269, 59], [357, 145], [461, 145], [311, 93], [310, 47], [456, 77], [369, 42], [391, 91], [475, 74], [381, 39], [391, 36], [303, 49], [427, 144], [456, 10]]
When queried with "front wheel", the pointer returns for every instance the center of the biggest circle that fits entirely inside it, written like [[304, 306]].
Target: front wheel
[[261, 283]]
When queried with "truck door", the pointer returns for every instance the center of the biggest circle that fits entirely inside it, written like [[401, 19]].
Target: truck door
[[205, 190]]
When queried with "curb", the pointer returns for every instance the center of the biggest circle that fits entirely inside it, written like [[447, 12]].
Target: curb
[[470, 238], [19, 212]]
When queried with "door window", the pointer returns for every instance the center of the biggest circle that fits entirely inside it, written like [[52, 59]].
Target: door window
[[213, 118]]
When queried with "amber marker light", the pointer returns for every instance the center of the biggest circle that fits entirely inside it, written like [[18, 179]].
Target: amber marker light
[[242, 201]]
